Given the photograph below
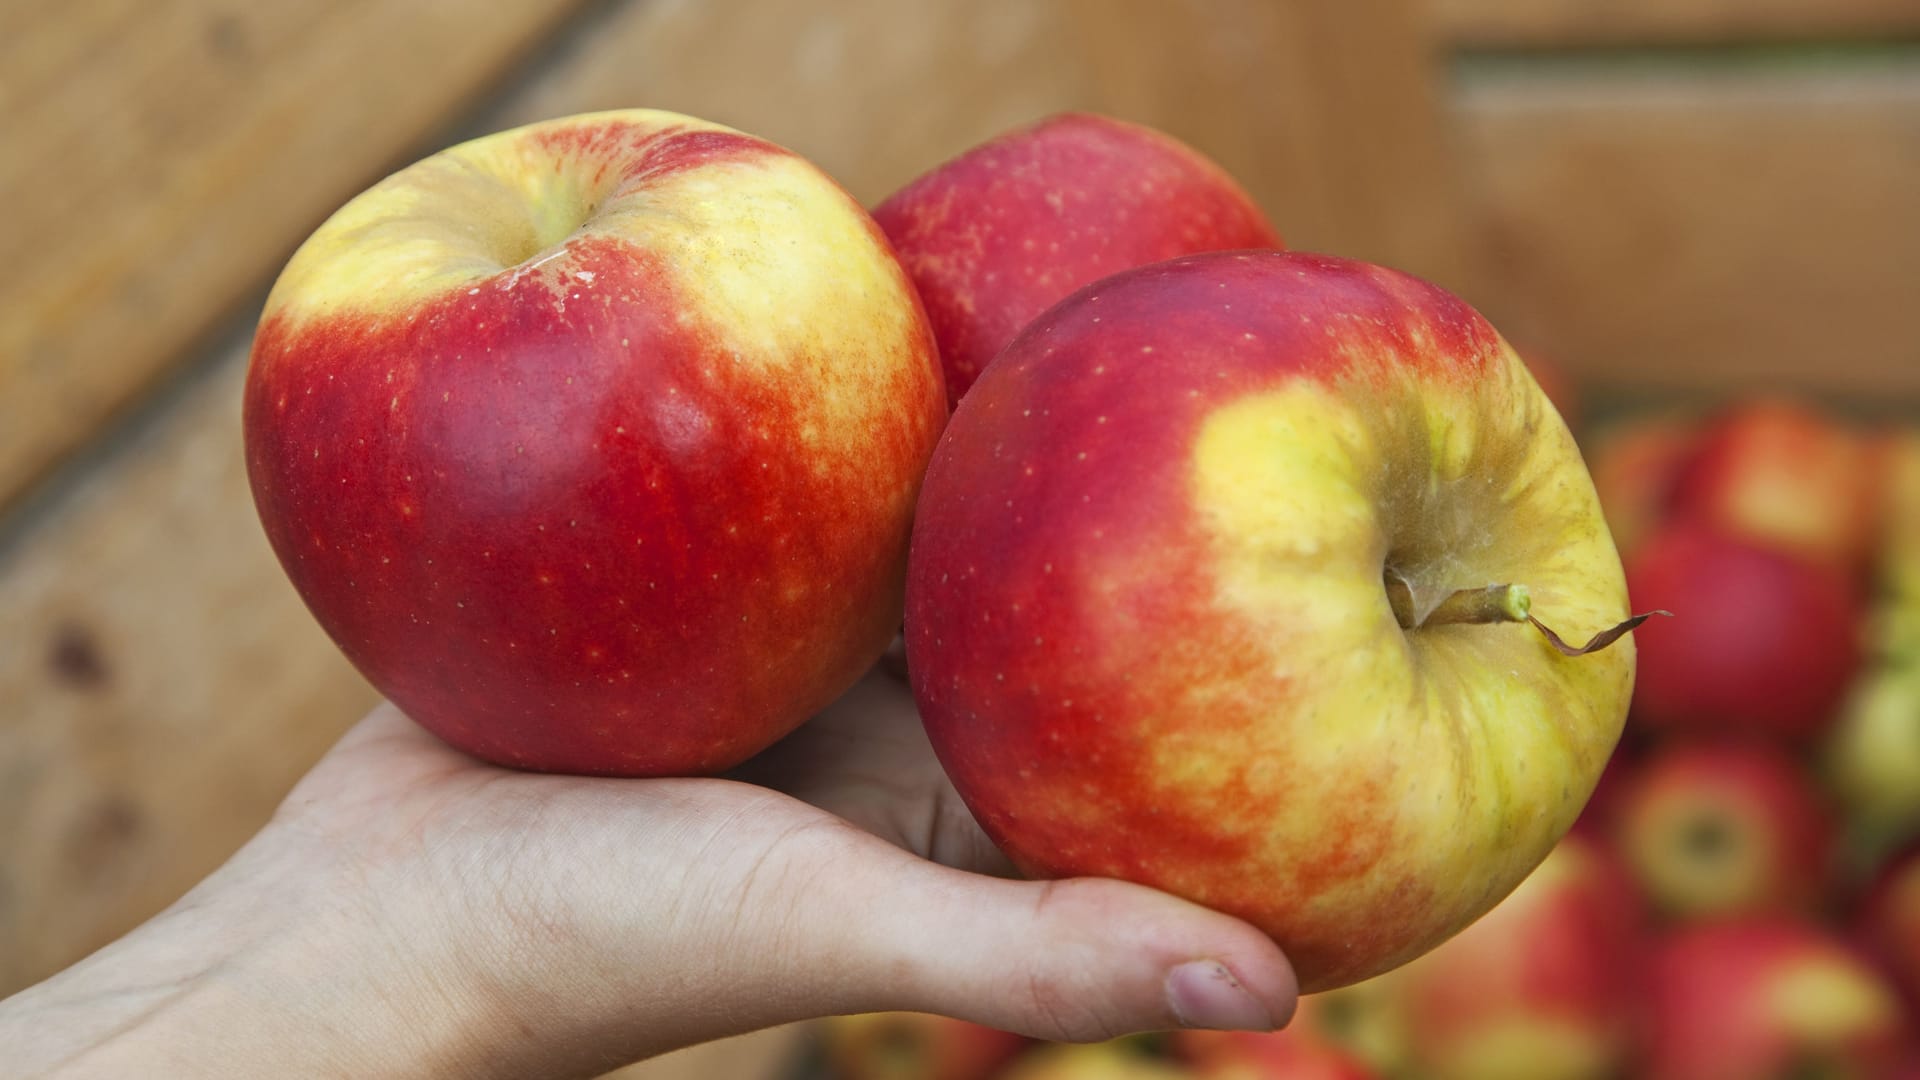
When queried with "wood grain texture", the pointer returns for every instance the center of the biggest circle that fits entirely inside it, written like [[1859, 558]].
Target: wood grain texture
[[158, 161], [164, 688], [1701, 232], [1578, 23], [1324, 111]]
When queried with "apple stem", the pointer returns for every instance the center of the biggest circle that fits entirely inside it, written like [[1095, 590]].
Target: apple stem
[[1497, 604], [1493, 604], [1489, 604]]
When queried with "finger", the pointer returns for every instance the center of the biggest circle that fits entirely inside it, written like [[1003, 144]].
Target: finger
[[866, 759], [1080, 960]]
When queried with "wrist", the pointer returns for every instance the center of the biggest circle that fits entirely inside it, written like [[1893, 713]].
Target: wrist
[[253, 970]]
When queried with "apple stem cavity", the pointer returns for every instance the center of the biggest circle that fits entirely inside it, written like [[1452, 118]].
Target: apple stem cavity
[[1489, 604], [1496, 604]]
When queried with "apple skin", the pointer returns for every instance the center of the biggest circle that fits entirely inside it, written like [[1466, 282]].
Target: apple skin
[[916, 1046], [1555, 382], [1117, 1060], [1758, 999], [594, 444], [1872, 758], [1889, 922], [1544, 986], [1780, 472], [1762, 643], [1636, 467], [999, 234], [1721, 828], [1147, 626], [1299, 1052], [1897, 573]]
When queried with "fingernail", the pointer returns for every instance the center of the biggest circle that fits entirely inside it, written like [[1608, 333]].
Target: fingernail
[[1204, 994]]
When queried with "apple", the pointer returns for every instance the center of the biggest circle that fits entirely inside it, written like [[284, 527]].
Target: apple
[[1212, 588], [1763, 642], [594, 444], [1118, 1060], [915, 1046], [1756, 999], [1781, 472], [1726, 828], [1889, 922], [1556, 383], [1636, 466], [1367, 1020], [1596, 818], [997, 235], [1543, 986], [1896, 630], [1897, 457], [1873, 756], [1297, 1053]]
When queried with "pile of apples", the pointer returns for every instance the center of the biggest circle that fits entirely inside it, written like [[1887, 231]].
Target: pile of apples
[[621, 444], [1741, 898]]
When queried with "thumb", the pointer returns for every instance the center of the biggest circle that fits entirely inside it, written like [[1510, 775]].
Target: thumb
[[1078, 960]]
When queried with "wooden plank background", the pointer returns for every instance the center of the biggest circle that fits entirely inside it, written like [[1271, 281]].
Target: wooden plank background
[[1679, 224], [1587, 23]]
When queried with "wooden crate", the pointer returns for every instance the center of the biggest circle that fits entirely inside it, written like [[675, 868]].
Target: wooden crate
[[1672, 197]]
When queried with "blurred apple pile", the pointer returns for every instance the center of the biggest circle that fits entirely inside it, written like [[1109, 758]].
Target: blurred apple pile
[[1741, 899]]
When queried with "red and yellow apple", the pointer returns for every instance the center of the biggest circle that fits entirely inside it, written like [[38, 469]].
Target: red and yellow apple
[[594, 444], [1555, 382], [1872, 757], [1000, 233], [1543, 987], [1367, 1020], [1636, 465], [1780, 472], [915, 1046], [1889, 922], [1209, 589], [1761, 999], [1300, 1052], [1897, 573], [1118, 1060], [1726, 828], [1763, 642]]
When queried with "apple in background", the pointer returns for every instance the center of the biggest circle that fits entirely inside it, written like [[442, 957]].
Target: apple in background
[[1889, 923], [915, 1046], [1762, 642], [1209, 591], [1302, 1051], [1873, 755], [1897, 620], [1543, 986], [1367, 1019], [1766, 998], [997, 235], [1596, 818], [1780, 472], [594, 444], [1636, 465], [1725, 828], [1118, 1060]]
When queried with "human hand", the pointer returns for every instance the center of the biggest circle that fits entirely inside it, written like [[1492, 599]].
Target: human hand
[[413, 912]]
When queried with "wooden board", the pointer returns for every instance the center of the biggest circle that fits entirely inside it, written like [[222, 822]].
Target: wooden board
[[159, 161], [1579, 23], [164, 687], [1324, 111], [1699, 232]]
